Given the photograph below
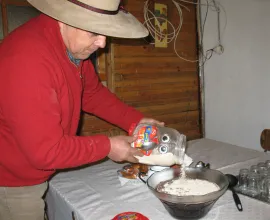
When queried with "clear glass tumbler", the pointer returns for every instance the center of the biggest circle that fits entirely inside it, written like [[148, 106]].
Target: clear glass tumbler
[[261, 167], [267, 188], [243, 179], [261, 164], [267, 163], [262, 181], [254, 169], [253, 184]]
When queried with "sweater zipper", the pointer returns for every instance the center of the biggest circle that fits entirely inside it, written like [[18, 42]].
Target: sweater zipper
[[78, 68]]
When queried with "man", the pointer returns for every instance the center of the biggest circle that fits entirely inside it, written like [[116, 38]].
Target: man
[[46, 79]]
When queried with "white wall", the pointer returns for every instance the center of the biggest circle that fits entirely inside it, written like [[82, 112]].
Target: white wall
[[237, 83]]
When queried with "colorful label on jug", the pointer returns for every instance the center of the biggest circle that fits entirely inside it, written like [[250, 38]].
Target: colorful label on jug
[[144, 135]]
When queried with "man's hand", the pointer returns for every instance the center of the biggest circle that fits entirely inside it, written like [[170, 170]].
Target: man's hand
[[151, 121], [121, 149]]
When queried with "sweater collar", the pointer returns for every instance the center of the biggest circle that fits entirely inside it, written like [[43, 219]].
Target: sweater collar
[[72, 59]]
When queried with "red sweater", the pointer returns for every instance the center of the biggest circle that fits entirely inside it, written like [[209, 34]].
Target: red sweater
[[41, 96]]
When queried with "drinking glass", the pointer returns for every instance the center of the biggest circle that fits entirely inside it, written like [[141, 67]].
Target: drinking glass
[[253, 184], [243, 179], [261, 164], [267, 163], [267, 188], [262, 181], [261, 167], [254, 169]]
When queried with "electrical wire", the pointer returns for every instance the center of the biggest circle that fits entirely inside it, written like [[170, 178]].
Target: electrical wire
[[156, 30], [172, 36], [201, 43]]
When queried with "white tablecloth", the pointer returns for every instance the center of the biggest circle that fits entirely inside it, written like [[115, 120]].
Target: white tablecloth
[[95, 193]]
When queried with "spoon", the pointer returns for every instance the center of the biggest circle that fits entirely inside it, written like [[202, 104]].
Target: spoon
[[232, 183], [149, 145]]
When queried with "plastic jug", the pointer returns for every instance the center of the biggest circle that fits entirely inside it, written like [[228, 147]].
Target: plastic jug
[[162, 146]]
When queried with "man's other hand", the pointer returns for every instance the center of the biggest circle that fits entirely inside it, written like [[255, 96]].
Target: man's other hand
[[121, 149]]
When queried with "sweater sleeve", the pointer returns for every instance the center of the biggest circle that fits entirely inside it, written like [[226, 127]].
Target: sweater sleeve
[[98, 100], [33, 114]]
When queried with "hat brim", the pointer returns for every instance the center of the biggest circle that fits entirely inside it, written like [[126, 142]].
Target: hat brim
[[122, 25]]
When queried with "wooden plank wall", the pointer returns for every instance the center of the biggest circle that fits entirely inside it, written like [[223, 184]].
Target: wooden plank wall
[[153, 80]]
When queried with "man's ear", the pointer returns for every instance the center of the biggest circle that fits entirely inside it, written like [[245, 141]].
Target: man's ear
[[61, 26]]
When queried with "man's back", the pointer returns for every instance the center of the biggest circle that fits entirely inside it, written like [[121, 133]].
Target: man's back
[[40, 101]]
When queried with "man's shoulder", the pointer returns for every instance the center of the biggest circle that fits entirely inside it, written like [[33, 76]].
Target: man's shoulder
[[27, 39]]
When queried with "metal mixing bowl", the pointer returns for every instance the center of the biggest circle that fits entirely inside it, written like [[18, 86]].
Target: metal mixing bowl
[[188, 207]]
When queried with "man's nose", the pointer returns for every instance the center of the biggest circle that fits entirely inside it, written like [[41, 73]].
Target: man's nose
[[100, 41]]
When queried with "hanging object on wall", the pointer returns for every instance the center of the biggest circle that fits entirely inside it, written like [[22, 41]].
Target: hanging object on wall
[[265, 139], [161, 25]]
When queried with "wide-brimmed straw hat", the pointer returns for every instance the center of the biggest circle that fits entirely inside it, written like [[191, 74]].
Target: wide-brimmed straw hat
[[106, 17]]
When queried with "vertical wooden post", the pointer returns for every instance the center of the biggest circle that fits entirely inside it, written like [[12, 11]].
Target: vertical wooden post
[[110, 67], [4, 18]]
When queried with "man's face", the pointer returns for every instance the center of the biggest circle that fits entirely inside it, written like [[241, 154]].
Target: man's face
[[81, 44]]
